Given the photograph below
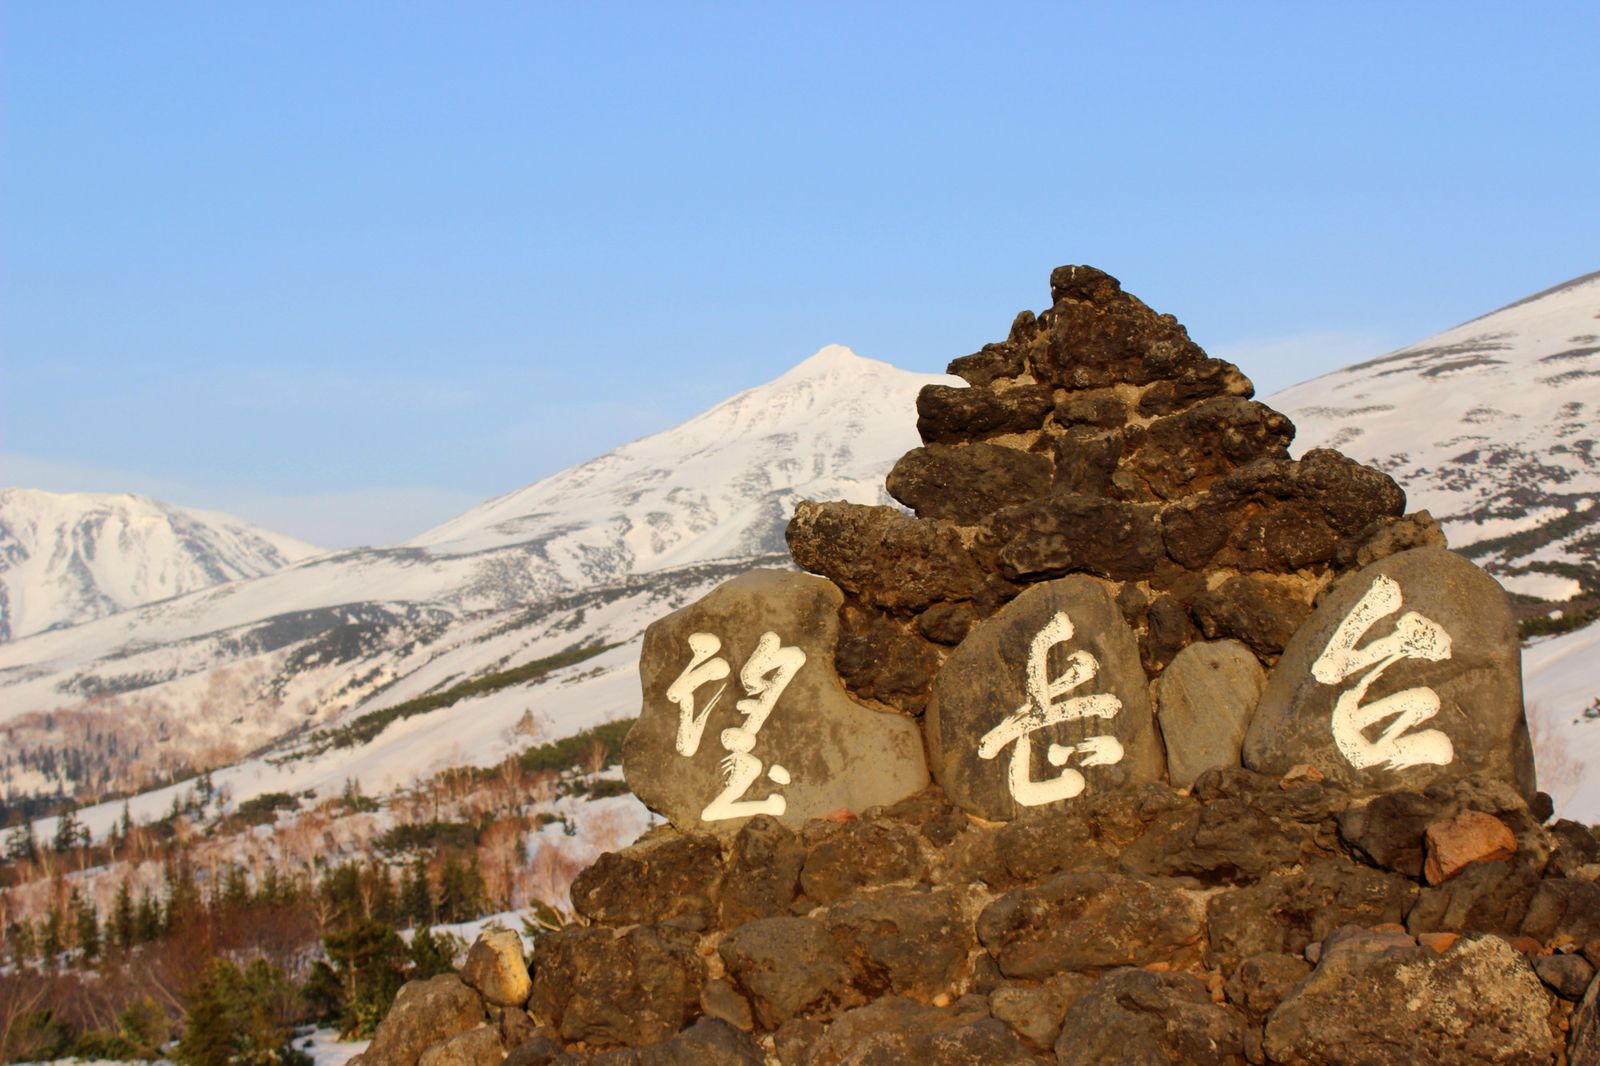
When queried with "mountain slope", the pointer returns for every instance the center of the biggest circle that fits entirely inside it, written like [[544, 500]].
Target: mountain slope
[[207, 677], [67, 558], [1494, 427]]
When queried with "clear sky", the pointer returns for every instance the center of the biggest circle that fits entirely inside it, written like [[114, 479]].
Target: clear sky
[[348, 269]]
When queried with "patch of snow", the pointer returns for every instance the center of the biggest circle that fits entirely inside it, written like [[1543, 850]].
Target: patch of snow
[[1552, 587]]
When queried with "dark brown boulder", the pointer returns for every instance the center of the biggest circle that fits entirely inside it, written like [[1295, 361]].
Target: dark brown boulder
[[1283, 914], [895, 1031], [965, 485], [1200, 381], [1086, 461], [1097, 409], [1371, 1002], [885, 558], [1280, 514], [902, 941], [992, 363], [861, 853], [763, 873], [1134, 1017], [639, 986], [947, 415], [1096, 335], [1262, 610], [1062, 534], [884, 659], [1090, 920], [1488, 897], [424, 1013], [1183, 453], [671, 875], [787, 968]]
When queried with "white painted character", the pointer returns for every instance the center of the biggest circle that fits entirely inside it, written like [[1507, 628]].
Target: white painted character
[[705, 666], [1047, 706], [764, 676], [1414, 637]]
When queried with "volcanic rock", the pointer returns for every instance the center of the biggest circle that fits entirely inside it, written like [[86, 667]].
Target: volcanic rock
[[637, 987], [965, 485], [1408, 673], [424, 1013], [1469, 837], [786, 740], [948, 415], [1057, 669], [1134, 1016], [1369, 1002]]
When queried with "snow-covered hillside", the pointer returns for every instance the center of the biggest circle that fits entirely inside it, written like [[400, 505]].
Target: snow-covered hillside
[[67, 558], [1494, 426], [211, 676]]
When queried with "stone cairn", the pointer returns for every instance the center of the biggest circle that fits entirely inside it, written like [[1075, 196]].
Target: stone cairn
[[1137, 741]]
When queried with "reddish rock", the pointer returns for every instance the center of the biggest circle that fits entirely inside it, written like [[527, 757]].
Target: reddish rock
[[1469, 837]]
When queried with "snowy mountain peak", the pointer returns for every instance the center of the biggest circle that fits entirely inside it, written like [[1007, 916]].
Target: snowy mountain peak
[[833, 359], [67, 558], [719, 485], [1491, 426]]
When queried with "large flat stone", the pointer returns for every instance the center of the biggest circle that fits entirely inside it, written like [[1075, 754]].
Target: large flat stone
[[744, 713], [1409, 672], [1044, 700]]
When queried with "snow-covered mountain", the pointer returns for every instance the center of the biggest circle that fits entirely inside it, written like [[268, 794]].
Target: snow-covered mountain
[[1494, 426], [590, 555], [67, 558]]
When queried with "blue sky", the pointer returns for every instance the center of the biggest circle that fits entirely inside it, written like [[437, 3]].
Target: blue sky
[[348, 269]]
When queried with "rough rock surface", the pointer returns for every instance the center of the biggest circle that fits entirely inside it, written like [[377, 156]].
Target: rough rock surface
[[1096, 439], [1042, 703], [1479, 1002], [1409, 673], [1469, 837], [1142, 924], [744, 714], [424, 1013], [495, 969]]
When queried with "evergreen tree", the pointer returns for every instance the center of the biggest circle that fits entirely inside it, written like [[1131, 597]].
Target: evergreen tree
[[121, 931], [241, 1018], [147, 920], [125, 826], [368, 962], [86, 922], [416, 895], [20, 938], [460, 890], [432, 954], [183, 895], [384, 907], [70, 832], [21, 843], [50, 937], [235, 889], [208, 1028]]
